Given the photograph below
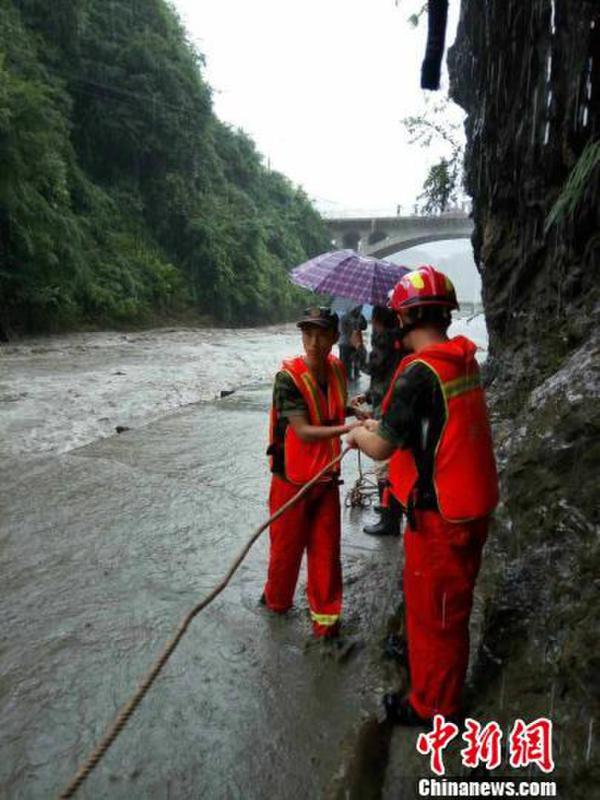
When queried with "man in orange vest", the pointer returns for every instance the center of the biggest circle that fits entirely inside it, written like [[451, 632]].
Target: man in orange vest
[[436, 430], [307, 419]]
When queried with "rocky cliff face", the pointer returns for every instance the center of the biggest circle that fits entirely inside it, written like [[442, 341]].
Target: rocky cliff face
[[528, 74]]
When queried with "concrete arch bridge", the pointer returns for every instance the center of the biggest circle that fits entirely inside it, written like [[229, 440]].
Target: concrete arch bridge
[[382, 236]]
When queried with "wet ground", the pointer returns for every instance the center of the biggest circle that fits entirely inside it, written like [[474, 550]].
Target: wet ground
[[105, 544]]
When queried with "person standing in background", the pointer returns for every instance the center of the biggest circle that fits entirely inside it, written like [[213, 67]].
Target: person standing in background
[[384, 357], [344, 344], [350, 342], [359, 353]]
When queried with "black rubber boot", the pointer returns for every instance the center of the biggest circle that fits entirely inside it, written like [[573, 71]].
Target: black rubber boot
[[395, 647], [379, 508], [388, 525], [399, 711]]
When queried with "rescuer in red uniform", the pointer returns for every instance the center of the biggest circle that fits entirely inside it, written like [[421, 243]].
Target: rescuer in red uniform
[[436, 430], [307, 419]]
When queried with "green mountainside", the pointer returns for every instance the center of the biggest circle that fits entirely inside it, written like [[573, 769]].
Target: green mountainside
[[122, 196]]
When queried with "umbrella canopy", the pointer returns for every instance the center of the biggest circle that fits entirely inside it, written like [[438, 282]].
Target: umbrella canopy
[[345, 273]]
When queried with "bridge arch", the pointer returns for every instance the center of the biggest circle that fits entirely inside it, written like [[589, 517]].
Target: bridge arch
[[382, 236], [387, 247]]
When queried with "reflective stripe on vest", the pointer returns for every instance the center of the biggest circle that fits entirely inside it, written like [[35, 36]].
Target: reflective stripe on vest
[[303, 460], [460, 385], [464, 471]]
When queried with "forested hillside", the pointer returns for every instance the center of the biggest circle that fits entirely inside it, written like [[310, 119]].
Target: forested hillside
[[122, 196]]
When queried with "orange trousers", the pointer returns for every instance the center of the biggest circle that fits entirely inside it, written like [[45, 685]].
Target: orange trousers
[[312, 524], [442, 560]]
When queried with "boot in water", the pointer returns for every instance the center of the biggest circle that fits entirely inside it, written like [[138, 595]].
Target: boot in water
[[388, 525]]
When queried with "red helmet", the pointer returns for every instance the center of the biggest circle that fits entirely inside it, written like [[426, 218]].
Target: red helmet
[[425, 286]]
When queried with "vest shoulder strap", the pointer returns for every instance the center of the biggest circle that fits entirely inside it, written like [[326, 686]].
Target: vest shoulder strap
[[308, 388], [339, 387]]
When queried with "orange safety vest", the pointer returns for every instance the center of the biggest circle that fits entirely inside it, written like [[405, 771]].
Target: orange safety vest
[[302, 460], [464, 472]]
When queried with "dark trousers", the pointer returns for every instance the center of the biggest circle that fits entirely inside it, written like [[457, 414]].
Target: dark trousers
[[346, 357]]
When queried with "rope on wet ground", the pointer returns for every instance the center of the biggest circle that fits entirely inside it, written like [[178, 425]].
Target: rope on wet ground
[[124, 715]]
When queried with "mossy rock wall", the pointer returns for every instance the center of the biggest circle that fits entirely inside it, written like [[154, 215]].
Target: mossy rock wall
[[528, 74]]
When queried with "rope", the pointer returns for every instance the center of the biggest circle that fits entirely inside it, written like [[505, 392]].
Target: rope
[[123, 716], [364, 490]]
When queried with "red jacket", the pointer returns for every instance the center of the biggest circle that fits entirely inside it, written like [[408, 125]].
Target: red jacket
[[464, 474]]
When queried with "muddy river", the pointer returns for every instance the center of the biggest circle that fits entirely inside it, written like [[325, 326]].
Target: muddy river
[[106, 540]]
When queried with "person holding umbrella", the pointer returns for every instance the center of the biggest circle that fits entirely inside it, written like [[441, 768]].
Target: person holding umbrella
[[307, 419], [436, 432]]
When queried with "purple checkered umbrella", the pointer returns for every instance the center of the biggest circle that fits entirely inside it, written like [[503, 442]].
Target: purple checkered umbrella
[[344, 273]]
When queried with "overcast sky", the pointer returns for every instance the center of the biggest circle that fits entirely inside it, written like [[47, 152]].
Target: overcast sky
[[322, 86]]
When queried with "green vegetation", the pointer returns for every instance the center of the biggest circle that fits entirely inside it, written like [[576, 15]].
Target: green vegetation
[[582, 177], [122, 196]]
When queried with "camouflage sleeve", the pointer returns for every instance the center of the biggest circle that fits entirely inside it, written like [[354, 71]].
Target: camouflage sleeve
[[286, 396], [401, 423]]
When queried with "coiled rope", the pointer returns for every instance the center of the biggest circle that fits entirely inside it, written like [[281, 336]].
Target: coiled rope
[[123, 716], [365, 489]]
